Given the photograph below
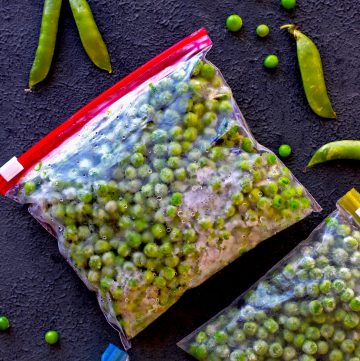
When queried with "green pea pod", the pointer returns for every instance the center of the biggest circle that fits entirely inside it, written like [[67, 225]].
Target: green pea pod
[[47, 40], [312, 73], [342, 149], [91, 38]]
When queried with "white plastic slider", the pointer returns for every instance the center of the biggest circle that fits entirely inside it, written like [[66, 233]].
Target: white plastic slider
[[358, 212], [11, 169]]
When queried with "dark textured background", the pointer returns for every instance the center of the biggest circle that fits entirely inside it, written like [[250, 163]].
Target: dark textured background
[[38, 290]]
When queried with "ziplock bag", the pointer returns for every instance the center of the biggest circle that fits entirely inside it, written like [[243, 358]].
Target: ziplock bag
[[155, 185], [306, 308]]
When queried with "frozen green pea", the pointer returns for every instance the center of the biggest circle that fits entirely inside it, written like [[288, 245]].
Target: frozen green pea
[[176, 132], [336, 355], [95, 262], [225, 106], [29, 187], [124, 222], [174, 162], [166, 175], [348, 346], [133, 239], [208, 71], [351, 320], [220, 337], [130, 172], [190, 134], [315, 307], [339, 336], [355, 304], [250, 328], [312, 333], [172, 261], [288, 336], [159, 136], [209, 118], [176, 199], [276, 350], [137, 159], [158, 230], [180, 174], [108, 258], [310, 347], [191, 120], [271, 325], [174, 149], [138, 259], [329, 304], [102, 246], [299, 340], [151, 250], [166, 248], [161, 189], [292, 323], [175, 234]]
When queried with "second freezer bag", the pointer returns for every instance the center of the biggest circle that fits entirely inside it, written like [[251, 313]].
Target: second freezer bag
[[156, 185]]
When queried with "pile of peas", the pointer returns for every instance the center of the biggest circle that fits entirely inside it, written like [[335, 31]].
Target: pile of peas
[[170, 188], [308, 309]]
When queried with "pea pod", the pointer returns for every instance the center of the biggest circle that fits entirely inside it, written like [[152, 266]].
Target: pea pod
[[342, 149], [47, 40], [90, 36], [312, 73]]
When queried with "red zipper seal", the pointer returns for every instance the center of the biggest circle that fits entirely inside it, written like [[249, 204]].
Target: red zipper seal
[[190, 45]]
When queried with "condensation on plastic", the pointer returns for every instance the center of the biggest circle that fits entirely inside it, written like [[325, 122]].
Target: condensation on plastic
[[108, 190], [325, 268]]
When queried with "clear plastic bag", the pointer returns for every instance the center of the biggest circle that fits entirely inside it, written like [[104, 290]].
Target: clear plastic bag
[[155, 185], [305, 308]]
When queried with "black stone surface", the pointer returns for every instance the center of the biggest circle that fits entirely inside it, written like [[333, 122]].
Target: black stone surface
[[38, 290]]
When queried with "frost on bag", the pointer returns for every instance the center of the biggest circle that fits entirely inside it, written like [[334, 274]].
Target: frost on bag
[[306, 308], [156, 185]]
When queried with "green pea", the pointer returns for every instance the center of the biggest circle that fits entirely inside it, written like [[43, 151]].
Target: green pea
[[336, 355], [310, 347], [151, 250], [355, 304], [4, 323], [176, 199], [166, 175], [226, 107], [288, 4], [262, 30], [52, 337], [190, 134], [284, 150], [276, 350], [234, 22], [158, 230], [271, 61], [133, 239]]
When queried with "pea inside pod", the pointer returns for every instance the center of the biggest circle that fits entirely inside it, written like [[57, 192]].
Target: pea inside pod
[[312, 73], [342, 149]]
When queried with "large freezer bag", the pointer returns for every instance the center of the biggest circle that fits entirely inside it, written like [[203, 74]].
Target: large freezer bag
[[306, 308], [155, 185]]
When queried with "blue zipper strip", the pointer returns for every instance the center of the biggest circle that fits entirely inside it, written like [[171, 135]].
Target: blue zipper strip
[[113, 353]]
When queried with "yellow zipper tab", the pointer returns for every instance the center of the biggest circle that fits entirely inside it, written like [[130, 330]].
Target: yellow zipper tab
[[351, 203]]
